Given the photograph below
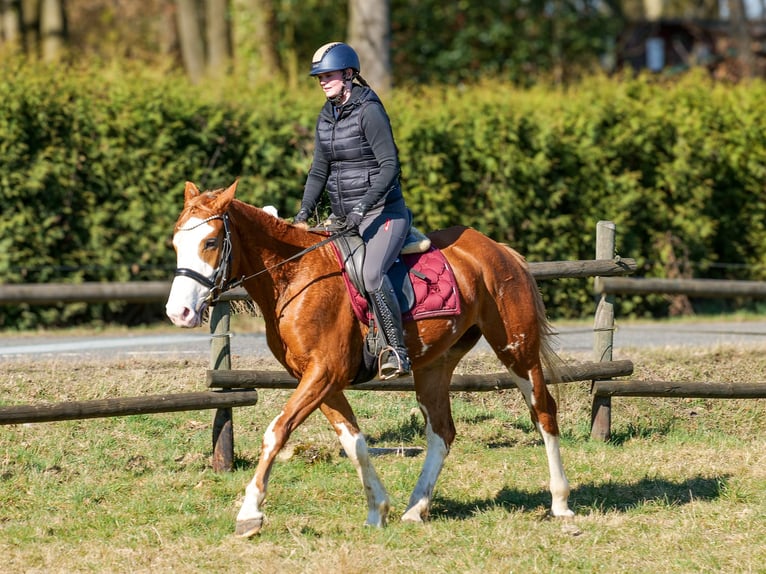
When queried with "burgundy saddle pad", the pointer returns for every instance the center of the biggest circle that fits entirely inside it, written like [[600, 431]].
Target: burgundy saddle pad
[[433, 284]]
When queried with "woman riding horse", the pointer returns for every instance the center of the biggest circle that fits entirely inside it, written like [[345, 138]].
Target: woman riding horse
[[312, 330]]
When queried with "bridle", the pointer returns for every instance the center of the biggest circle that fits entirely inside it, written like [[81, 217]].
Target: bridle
[[218, 283]]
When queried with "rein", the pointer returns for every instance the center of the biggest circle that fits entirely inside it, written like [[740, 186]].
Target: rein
[[298, 255], [219, 284]]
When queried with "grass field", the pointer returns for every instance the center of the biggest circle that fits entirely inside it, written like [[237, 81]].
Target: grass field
[[680, 488]]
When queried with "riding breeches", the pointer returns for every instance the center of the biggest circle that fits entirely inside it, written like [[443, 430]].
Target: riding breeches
[[384, 234]]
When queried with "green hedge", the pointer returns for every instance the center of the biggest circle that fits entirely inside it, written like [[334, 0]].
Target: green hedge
[[93, 164], [679, 167]]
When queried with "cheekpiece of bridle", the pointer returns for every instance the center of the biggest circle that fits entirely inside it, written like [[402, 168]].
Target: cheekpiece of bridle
[[218, 283]]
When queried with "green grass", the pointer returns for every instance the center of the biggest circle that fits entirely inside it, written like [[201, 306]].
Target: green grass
[[680, 488]]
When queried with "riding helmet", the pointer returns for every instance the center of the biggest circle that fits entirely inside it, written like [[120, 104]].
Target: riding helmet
[[333, 57]]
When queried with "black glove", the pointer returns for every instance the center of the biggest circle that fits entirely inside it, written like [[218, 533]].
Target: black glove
[[354, 218], [301, 216]]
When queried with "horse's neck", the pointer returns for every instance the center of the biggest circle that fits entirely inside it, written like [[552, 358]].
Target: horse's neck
[[264, 243]]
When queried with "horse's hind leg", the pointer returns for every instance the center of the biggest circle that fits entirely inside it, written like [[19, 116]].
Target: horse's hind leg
[[521, 353], [341, 417], [542, 409]]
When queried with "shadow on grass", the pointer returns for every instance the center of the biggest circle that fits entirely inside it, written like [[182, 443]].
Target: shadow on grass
[[474, 419], [644, 431], [415, 428], [405, 432], [602, 497]]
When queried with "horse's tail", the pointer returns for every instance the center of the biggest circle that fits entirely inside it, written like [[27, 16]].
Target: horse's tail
[[552, 363]]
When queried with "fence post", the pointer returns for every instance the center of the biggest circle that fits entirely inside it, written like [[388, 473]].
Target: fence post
[[220, 358], [603, 335]]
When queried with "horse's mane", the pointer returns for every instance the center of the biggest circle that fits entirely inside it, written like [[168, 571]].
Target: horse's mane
[[257, 212], [282, 230]]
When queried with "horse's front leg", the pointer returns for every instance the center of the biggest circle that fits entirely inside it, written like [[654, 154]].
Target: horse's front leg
[[302, 403], [338, 411], [250, 517]]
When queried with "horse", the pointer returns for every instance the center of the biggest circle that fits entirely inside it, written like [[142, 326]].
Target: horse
[[294, 277]]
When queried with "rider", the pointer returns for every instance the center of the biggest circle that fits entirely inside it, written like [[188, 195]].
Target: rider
[[357, 162]]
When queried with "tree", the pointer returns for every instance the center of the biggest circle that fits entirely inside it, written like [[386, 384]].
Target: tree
[[204, 35], [10, 25], [52, 29], [218, 38], [741, 37], [255, 39], [36, 27], [190, 37], [369, 32]]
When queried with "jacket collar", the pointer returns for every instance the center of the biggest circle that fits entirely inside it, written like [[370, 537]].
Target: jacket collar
[[359, 95]]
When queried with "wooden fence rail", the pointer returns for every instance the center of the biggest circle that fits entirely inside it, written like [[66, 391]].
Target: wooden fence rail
[[124, 406], [242, 379], [697, 390], [713, 288], [158, 291], [88, 292]]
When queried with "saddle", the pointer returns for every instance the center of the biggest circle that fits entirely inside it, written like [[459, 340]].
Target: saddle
[[350, 250]]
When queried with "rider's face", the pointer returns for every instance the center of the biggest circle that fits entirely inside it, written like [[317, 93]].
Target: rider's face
[[331, 83]]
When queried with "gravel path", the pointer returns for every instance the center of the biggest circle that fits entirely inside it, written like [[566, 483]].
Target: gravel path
[[571, 339]]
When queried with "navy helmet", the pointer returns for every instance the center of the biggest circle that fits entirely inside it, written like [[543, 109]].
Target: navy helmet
[[333, 57]]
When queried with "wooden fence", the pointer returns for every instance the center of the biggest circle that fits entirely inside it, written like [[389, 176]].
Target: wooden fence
[[606, 287], [237, 388], [221, 400], [602, 373]]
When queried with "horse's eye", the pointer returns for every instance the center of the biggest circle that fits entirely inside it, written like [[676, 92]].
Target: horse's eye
[[211, 243]]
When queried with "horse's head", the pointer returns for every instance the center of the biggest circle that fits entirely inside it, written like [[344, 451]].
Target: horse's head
[[203, 247]]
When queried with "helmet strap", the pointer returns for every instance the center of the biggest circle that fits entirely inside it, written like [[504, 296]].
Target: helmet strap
[[339, 99]]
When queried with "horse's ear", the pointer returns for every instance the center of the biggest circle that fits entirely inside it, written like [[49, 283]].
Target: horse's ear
[[224, 198], [190, 192]]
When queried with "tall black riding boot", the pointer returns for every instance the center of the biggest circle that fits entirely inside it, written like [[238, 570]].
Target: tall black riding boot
[[393, 360]]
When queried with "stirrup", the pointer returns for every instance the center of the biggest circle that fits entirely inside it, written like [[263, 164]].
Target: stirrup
[[394, 366]]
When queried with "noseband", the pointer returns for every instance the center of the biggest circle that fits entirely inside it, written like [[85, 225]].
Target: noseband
[[218, 283]]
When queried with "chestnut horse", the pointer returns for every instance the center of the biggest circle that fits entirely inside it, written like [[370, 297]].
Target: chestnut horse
[[312, 331]]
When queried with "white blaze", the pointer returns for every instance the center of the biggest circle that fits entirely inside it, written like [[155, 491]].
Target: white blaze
[[186, 300]]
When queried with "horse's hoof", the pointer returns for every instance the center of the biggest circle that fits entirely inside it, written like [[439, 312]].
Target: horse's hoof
[[376, 521], [412, 517], [562, 512], [248, 528]]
